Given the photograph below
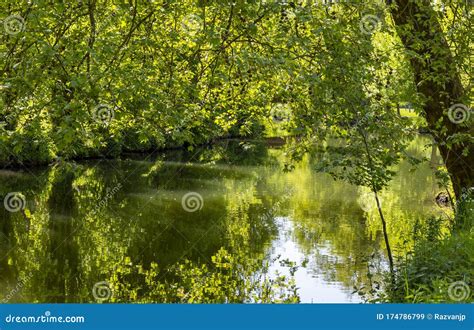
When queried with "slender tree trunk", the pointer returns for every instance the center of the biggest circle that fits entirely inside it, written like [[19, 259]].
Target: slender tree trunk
[[379, 206], [438, 80], [385, 234]]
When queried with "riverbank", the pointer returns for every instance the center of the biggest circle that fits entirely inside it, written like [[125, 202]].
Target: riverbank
[[439, 267]]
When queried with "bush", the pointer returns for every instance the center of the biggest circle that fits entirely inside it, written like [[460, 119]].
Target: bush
[[440, 267]]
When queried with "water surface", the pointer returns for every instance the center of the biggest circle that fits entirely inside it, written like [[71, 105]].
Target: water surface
[[80, 219]]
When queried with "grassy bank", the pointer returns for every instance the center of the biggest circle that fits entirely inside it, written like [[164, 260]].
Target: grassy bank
[[440, 266]]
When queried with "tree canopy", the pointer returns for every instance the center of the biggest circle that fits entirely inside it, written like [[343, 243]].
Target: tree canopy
[[98, 77]]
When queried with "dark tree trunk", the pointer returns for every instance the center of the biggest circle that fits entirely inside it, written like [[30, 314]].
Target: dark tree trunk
[[438, 80]]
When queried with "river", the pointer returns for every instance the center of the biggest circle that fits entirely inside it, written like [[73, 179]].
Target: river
[[76, 220]]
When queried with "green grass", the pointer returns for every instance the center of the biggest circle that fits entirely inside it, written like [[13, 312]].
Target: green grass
[[440, 267]]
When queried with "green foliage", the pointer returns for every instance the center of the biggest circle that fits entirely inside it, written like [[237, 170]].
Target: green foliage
[[428, 273], [437, 261], [229, 279], [247, 201], [98, 78], [178, 73], [94, 78]]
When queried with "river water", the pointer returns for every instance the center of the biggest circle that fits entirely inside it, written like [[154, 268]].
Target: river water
[[76, 220]]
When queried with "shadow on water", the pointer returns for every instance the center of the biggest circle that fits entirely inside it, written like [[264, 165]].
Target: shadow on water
[[79, 220]]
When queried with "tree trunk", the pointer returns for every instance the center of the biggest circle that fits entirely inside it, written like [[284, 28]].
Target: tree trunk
[[385, 234], [438, 81]]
